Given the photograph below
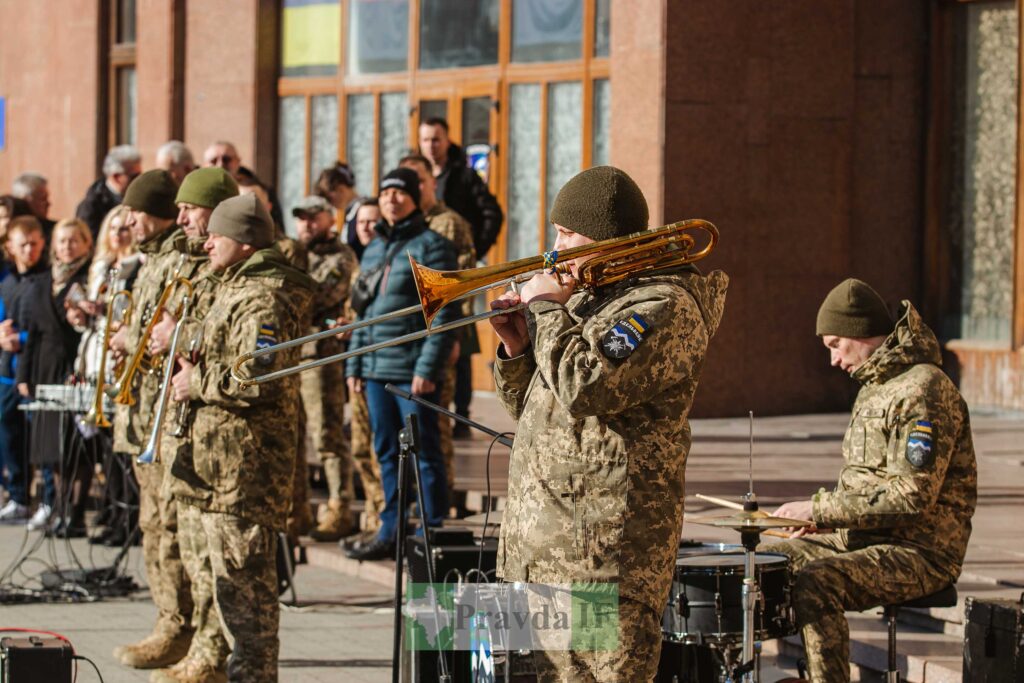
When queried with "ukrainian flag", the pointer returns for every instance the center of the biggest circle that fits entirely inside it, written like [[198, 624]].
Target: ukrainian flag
[[310, 37]]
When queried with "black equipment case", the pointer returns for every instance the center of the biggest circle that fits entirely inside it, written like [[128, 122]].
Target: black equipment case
[[34, 660], [994, 641]]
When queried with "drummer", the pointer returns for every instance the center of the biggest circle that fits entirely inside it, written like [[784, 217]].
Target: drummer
[[601, 383], [897, 523]]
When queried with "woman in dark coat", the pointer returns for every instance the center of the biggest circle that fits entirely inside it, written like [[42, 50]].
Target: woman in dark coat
[[49, 358]]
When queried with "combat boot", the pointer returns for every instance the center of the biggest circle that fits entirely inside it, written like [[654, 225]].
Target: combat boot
[[336, 524], [155, 650], [189, 670]]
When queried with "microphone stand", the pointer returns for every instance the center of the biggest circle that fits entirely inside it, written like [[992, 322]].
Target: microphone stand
[[402, 393]]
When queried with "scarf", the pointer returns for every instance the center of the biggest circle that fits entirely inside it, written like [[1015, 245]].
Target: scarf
[[62, 272]]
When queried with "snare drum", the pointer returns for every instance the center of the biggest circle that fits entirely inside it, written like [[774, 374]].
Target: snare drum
[[706, 601]]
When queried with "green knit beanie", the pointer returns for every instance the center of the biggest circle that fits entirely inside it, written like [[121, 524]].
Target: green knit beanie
[[853, 309], [244, 220], [153, 193], [207, 187], [601, 203]]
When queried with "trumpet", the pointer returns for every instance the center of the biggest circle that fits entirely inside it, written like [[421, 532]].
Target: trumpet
[[152, 452], [121, 391], [96, 417], [180, 423], [608, 261]]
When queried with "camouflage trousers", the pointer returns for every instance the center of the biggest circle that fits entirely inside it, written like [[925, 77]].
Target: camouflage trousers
[[168, 581], [323, 396], [234, 584], [300, 475], [635, 660], [365, 460], [831, 578]]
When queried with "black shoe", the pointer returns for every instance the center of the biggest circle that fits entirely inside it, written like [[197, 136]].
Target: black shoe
[[462, 431], [117, 538], [101, 537], [378, 549], [67, 528]]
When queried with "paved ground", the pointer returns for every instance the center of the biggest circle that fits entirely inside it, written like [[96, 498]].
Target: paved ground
[[342, 631], [346, 636]]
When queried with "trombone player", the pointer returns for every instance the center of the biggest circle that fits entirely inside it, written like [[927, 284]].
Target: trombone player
[[601, 383], [151, 218]]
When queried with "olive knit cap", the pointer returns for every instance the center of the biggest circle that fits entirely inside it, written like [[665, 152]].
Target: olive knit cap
[[153, 193], [207, 187], [853, 309], [601, 203], [244, 220]]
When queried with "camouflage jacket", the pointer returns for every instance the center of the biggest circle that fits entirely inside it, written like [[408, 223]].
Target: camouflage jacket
[[331, 265], [909, 475], [204, 281], [132, 424], [596, 478], [243, 440], [455, 229]]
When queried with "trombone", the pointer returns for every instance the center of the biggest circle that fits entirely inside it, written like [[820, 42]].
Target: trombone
[[121, 391], [608, 261], [152, 453], [96, 417]]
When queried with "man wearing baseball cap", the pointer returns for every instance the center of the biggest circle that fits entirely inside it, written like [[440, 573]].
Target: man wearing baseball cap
[[897, 523], [233, 486]]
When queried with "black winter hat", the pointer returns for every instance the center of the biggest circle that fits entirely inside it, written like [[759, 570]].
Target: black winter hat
[[853, 309], [404, 179], [601, 203]]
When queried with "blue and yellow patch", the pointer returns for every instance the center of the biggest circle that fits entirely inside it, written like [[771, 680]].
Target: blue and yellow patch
[[550, 259], [266, 338], [919, 444], [624, 338]]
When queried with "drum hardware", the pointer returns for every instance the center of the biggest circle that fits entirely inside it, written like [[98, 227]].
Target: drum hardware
[[751, 522]]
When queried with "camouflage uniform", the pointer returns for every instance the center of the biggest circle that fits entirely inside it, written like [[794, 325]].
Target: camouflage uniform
[[237, 476], [902, 507], [597, 471], [166, 258], [331, 265], [457, 230]]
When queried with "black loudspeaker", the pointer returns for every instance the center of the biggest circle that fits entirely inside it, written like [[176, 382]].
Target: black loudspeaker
[[994, 641], [455, 550], [34, 660]]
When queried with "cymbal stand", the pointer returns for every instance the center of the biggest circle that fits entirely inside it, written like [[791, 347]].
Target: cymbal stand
[[750, 537]]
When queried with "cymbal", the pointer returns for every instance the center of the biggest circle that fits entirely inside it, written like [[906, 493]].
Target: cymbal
[[741, 521], [493, 518]]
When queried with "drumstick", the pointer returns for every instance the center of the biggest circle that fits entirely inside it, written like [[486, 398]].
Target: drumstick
[[720, 501], [736, 506]]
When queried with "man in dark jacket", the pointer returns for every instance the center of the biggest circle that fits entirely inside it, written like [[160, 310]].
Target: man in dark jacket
[[120, 167], [25, 244], [417, 367], [461, 188]]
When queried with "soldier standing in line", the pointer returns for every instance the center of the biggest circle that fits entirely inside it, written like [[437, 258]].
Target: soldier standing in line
[[151, 218], [902, 508], [233, 488], [601, 383], [331, 265]]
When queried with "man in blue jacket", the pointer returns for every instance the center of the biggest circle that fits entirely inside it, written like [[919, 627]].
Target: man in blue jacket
[[416, 367]]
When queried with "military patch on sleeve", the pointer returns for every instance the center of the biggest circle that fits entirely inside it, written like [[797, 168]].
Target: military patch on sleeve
[[267, 338], [624, 338], [919, 444]]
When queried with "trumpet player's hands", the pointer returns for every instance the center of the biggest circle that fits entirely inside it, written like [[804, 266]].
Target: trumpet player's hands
[[163, 332], [355, 385], [422, 386], [182, 379], [90, 308], [343, 336], [548, 287], [511, 328]]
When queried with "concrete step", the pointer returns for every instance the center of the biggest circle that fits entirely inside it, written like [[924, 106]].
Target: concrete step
[[923, 655]]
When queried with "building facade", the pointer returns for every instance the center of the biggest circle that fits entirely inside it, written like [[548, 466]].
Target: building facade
[[824, 139]]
